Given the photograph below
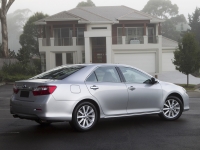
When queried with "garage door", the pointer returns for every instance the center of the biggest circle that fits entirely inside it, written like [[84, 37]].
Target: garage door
[[167, 64], [143, 61]]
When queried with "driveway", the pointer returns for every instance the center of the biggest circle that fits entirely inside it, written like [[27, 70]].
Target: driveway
[[177, 77], [138, 132]]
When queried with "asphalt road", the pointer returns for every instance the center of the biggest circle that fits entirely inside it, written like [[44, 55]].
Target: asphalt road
[[134, 133]]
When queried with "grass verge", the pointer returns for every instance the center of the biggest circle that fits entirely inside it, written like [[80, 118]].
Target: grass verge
[[190, 87]]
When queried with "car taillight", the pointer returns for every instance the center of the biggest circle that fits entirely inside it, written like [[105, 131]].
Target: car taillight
[[15, 90], [44, 90]]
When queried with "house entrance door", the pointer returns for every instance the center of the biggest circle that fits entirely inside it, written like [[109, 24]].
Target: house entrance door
[[99, 50]]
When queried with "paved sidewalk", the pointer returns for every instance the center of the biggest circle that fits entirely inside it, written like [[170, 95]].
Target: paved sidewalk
[[177, 77], [194, 94]]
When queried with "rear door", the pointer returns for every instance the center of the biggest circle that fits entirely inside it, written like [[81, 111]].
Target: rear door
[[105, 85]]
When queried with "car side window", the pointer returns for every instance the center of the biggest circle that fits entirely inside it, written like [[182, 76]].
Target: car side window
[[107, 74], [92, 78], [133, 76]]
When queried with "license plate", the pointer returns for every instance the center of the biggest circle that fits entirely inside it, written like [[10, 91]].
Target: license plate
[[24, 94]]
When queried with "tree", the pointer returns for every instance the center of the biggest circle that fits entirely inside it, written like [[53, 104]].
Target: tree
[[194, 22], [28, 39], [11, 54], [161, 8], [85, 4], [169, 30], [186, 57], [3, 12]]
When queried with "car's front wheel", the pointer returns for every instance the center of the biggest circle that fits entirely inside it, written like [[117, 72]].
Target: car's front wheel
[[172, 108], [84, 117]]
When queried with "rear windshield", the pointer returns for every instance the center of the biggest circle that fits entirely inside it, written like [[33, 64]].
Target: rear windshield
[[58, 73]]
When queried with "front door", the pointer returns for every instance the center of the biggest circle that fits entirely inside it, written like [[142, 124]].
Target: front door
[[99, 50], [143, 96], [105, 85]]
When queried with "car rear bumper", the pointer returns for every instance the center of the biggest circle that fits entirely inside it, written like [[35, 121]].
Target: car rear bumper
[[49, 109]]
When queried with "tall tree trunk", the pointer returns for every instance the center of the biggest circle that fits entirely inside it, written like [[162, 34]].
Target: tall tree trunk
[[187, 79], [4, 34], [3, 12]]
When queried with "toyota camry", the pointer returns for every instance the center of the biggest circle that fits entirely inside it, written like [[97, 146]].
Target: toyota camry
[[82, 94]]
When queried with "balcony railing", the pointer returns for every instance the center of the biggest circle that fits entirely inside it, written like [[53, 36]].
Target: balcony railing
[[63, 41], [80, 41], [152, 39], [135, 40], [117, 40], [46, 42]]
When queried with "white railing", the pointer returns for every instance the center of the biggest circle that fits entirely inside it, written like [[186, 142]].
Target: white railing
[[46, 42], [63, 42]]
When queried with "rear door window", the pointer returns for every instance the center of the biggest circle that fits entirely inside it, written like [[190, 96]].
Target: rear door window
[[107, 74]]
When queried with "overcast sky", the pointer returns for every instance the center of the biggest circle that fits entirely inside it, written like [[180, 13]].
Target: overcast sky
[[51, 7]]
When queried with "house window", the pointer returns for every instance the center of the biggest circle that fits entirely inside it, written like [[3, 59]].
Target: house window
[[62, 36], [69, 57], [43, 61], [58, 59], [132, 33], [80, 36], [151, 35]]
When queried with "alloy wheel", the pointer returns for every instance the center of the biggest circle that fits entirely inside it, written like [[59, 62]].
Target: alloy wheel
[[86, 116], [171, 108]]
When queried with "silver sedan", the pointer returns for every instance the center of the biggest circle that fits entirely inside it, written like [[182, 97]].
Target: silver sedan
[[82, 94]]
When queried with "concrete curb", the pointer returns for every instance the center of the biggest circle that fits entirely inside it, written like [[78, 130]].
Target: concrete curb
[[197, 90], [2, 83]]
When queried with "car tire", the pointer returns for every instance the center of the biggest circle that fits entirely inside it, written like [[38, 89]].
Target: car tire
[[172, 109], [84, 117], [43, 123]]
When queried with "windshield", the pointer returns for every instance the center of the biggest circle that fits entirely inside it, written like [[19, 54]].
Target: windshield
[[59, 72]]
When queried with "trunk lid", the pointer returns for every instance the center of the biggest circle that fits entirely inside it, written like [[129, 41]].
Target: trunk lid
[[26, 87]]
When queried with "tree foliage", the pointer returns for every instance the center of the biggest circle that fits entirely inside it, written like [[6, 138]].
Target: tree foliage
[[161, 8], [186, 57], [85, 4], [16, 21], [169, 27], [166, 10], [169, 30], [11, 54], [28, 39], [194, 22]]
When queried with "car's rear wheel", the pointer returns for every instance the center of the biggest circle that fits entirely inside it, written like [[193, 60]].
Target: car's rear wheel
[[172, 108], [84, 117]]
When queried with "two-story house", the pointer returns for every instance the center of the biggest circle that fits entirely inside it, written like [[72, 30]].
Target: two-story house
[[112, 34]]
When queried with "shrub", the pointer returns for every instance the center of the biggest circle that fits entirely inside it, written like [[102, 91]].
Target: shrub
[[17, 71]]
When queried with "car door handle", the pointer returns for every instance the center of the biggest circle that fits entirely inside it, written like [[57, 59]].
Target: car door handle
[[94, 87], [131, 88]]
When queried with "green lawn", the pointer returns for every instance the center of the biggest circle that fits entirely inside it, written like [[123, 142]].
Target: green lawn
[[190, 87]]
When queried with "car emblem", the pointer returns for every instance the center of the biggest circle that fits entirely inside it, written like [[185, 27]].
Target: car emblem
[[24, 86]]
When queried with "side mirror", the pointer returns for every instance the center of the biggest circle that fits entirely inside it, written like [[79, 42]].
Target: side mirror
[[153, 81]]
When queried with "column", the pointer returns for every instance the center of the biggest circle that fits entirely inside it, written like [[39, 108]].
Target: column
[[160, 54], [145, 39], [74, 41], [52, 41], [40, 42], [108, 49], [64, 59], [123, 40], [87, 50]]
